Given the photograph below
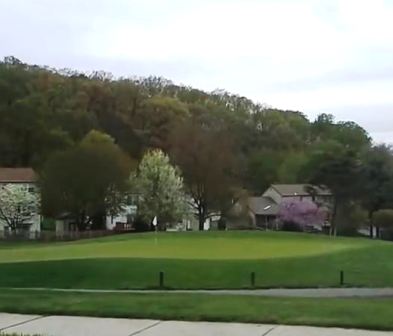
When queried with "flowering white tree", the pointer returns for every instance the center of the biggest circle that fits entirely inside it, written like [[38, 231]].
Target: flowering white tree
[[17, 205], [160, 189]]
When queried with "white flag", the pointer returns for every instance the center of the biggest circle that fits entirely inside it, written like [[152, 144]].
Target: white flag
[[154, 222]]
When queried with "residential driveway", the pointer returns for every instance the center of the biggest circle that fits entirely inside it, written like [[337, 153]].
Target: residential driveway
[[91, 326]]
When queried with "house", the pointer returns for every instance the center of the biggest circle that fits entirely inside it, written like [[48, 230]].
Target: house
[[28, 179], [299, 192], [262, 211], [122, 220]]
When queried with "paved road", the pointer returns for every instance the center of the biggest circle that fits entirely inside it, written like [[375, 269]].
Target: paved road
[[308, 292], [90, 326]]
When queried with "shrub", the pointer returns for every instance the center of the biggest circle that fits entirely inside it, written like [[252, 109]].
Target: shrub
[[350, 218], [291, 226], [141, 225], [384, 218]]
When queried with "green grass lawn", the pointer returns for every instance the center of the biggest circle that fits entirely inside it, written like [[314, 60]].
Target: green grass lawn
[[198, 260], [351, 313], [192, 245]]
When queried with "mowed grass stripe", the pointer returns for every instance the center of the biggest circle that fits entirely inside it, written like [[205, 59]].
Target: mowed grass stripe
[[205, 245], [351, 313], [367, 266]]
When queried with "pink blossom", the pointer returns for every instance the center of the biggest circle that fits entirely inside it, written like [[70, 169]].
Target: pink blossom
[[302, 213]]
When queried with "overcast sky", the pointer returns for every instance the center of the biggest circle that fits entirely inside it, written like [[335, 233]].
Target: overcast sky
[[333, 56]]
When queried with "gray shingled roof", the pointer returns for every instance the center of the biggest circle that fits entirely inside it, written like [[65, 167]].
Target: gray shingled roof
[[263, 206], [299, 190]]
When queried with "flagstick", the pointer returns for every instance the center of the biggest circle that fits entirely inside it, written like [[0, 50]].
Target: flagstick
[[155, 223]]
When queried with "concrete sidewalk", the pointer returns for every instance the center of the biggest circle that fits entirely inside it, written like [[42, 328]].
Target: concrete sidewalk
[[90, 326]]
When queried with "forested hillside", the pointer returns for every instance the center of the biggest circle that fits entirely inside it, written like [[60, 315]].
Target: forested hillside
[[44, 110], [226, 141]]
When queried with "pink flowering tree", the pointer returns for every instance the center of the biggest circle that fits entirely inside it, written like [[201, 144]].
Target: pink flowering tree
[[297, 214]]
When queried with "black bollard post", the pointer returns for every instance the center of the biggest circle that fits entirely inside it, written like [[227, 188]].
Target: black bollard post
[[161, 279], [341, 278], [252, 279]]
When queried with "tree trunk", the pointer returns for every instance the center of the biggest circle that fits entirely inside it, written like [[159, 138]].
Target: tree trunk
[[98, 221], [13, 226], [333, 225], [201, 219], [81, 221], [370, 220]]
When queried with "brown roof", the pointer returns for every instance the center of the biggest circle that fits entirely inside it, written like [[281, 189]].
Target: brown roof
[[300, 190], [17, 175]]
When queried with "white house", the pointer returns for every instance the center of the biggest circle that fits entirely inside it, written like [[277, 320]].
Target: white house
[[123, 219], [28, 179]]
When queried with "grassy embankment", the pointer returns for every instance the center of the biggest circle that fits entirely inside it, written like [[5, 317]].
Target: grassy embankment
[[198, 260]]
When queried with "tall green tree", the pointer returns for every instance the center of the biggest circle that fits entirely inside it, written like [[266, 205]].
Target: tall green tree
[[377, 181], [86, 182], [262, 169], [334, 166]]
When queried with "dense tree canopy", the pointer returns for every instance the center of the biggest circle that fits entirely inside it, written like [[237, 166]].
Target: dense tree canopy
[[44, 110], [221, 142], [377, 181], [384, 218], [339, 168], [206, 158], [86, 182]]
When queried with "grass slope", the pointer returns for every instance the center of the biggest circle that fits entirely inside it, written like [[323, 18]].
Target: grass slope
[[351, 313], [192, 245], [279, 260]]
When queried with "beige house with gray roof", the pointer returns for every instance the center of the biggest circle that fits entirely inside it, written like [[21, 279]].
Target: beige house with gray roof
[[263, 210], [299, 192]]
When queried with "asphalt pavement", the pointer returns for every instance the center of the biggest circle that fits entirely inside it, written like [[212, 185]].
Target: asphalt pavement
[[341, 292]]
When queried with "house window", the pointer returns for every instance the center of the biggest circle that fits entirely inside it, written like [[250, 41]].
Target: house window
[[30, 189]]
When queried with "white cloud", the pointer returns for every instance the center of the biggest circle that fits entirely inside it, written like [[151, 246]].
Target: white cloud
[[310, 55]]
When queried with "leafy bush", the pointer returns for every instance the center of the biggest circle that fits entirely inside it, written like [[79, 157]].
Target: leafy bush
[[384, 218], [291, 226], [141, 225], [350, 218]]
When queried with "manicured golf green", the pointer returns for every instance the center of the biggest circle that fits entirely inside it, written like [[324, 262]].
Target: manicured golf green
[[351, 313], [199, 260], [192, 245]]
